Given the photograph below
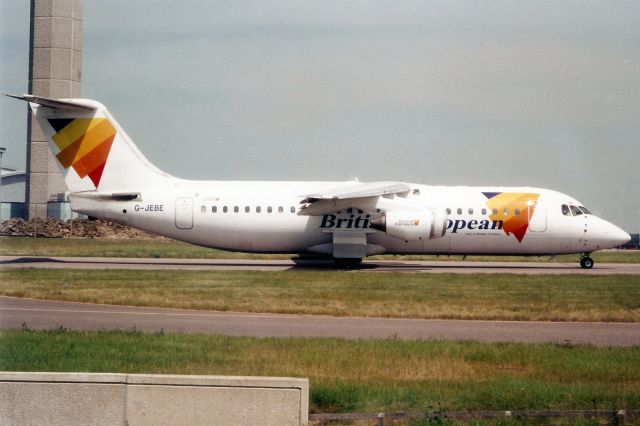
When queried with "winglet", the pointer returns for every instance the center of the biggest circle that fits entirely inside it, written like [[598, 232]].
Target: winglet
[[74, 105]]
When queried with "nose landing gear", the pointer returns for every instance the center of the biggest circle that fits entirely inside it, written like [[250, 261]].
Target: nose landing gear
[[586, 262]]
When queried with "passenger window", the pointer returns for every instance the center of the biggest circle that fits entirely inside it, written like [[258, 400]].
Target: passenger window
[[258, 209], [224, 209], [247, 209], [459, 211], [448, 211], [293, 209], [416, 192], [484, 212], [494, 211], [236, 209], [506, 212], [269, 209], [565, 210], [203, 209], [349, 210], [214, 209], [470, 211], [575, 211], [516, 212], [280, 209]]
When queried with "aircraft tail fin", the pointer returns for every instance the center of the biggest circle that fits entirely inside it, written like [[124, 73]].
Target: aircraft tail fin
[[94, 153]]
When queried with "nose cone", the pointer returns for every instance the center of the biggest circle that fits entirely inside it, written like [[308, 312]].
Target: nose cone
[[619, 237], [614, 236], [606, 235]]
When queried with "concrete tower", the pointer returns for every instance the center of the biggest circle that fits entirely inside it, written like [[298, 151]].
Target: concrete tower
[[55, 71]]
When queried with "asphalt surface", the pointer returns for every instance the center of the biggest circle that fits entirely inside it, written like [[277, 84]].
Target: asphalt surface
[[42, 314], [456, 267]]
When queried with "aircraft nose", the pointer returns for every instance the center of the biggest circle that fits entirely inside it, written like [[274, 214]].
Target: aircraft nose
[[616, 236], [620, 237], [608, 235]]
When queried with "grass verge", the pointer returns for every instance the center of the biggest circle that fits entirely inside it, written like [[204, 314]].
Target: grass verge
[[165, 248], [365, 375], [342, 293], [138, 248]]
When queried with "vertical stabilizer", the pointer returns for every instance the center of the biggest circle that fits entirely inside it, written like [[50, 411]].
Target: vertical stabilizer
[[93, 151]]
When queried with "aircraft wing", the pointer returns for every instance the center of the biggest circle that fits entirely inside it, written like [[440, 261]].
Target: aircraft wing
[[348, 195]]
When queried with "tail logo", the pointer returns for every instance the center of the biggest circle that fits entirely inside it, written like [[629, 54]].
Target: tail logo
[[84, 144], [514, 209]]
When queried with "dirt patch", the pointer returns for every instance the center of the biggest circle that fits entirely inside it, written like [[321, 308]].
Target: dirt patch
[[76, 228]]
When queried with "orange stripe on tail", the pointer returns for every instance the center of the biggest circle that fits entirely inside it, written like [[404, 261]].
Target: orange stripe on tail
[[85, 144]]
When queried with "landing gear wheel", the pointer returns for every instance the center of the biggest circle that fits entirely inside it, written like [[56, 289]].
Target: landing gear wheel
[[586, 262]]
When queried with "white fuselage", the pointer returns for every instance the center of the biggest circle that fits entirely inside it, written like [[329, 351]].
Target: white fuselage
[[266, 217]]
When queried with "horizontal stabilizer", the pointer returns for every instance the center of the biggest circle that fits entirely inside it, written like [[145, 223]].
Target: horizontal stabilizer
[[109, 196], [66, 105]]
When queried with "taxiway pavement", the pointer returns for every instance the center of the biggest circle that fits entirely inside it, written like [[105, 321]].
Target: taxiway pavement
[[455, 267], [16, 313]]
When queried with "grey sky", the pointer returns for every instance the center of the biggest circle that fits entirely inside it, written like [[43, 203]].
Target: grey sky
[[540, 93]]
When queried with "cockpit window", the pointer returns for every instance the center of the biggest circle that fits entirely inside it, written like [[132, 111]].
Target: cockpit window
[[571, 210]]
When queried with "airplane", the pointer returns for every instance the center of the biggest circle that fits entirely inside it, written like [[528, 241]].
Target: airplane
[[109, 178]]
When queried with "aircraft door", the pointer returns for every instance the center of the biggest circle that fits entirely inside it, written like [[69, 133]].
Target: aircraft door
[[537, 212], [184, 212]]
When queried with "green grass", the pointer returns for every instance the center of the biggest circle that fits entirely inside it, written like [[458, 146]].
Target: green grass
[[365, 375], [344, 293], [166, 248], [139, 248]]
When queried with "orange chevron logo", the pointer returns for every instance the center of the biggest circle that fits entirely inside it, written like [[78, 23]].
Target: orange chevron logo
[[514, 209], [84, 144]]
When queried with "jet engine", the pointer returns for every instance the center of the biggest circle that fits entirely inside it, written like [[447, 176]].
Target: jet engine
[[411, 225]]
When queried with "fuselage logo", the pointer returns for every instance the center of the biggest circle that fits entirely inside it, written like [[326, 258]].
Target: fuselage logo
[[455, 225], [509, 211], [332, 221]]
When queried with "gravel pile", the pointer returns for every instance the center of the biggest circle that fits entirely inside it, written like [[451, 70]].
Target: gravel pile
[[55, 228]]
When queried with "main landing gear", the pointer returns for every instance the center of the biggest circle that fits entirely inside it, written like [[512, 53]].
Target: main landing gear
[[586, 262], [347, 262]]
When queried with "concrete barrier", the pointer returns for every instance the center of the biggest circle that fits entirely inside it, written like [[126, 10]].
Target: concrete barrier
[[143, 399]]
